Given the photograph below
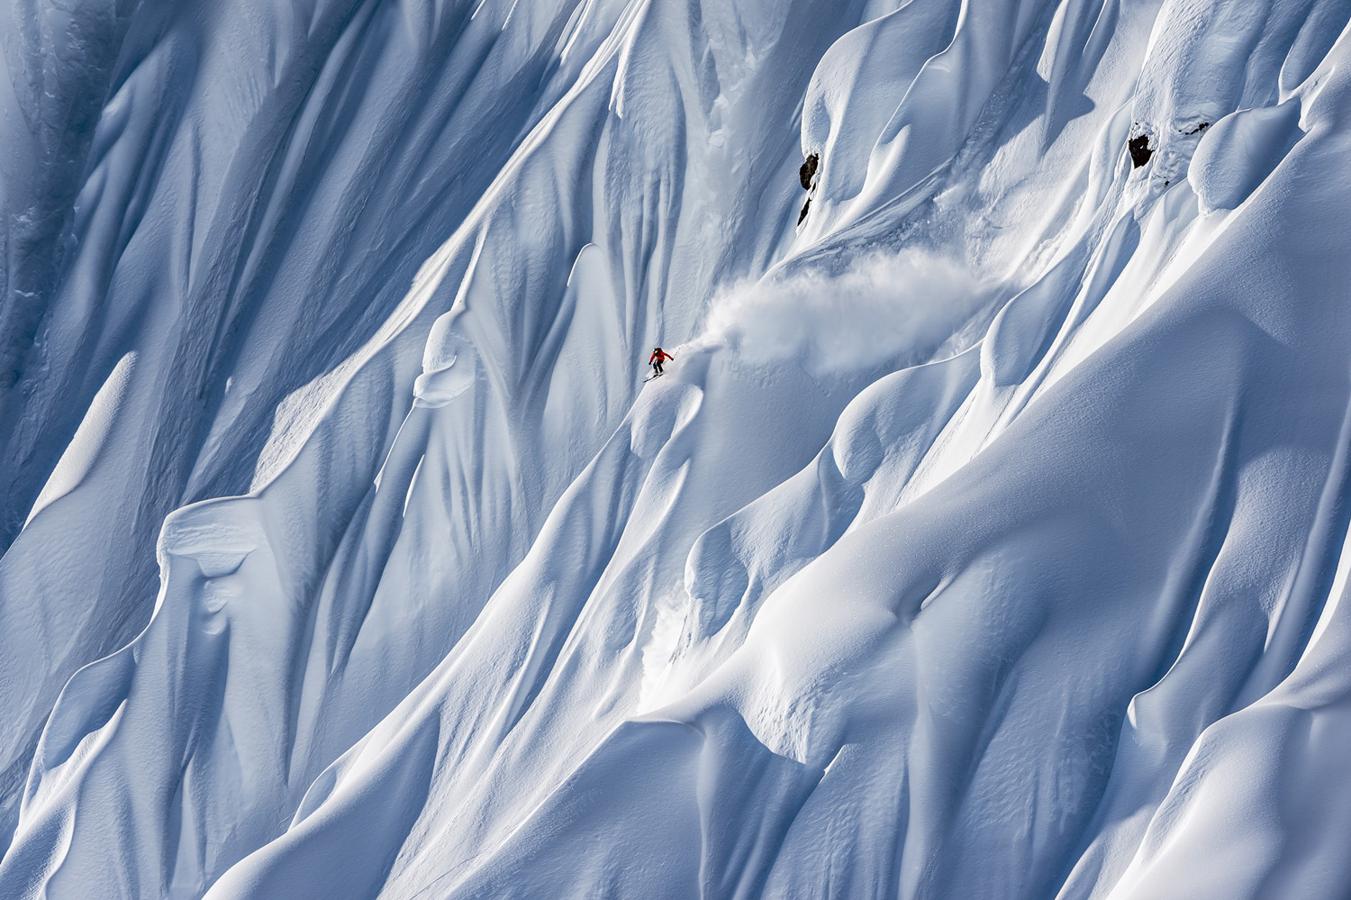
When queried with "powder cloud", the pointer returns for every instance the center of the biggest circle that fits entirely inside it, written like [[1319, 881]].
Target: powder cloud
[[898, 309]]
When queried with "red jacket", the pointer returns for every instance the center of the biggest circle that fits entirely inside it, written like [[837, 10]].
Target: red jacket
[[659, 355]]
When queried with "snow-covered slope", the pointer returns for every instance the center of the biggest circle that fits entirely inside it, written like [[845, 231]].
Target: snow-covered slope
[[986, 538]]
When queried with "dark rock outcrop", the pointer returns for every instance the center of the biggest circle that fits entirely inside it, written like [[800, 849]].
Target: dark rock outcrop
[[807, 174], [1139, 149]]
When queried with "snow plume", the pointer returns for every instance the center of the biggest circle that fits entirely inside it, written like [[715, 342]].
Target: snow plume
[[898, 308]]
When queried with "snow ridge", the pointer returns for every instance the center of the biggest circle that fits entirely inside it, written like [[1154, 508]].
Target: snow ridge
[[986, 538]]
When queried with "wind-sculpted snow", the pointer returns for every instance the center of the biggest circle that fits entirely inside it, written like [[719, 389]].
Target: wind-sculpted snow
[[252, 210], [987, 536]]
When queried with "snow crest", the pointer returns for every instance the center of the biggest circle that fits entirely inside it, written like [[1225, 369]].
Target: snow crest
[[989, 535]]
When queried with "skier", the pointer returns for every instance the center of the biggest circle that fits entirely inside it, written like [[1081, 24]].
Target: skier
[[658, 357]]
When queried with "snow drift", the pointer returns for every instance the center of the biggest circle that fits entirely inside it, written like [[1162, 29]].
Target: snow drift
[[987, 538]]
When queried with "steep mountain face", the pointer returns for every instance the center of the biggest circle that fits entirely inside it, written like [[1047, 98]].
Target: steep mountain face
[[987, 536]]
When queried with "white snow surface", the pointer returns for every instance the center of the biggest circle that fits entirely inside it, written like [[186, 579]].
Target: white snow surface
[[987, 537]]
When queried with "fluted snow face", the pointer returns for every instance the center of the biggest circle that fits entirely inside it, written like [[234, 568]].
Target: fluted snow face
[[985, 538]]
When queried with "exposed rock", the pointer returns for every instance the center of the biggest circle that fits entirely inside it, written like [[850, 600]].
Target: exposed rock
[[1139, 149], [807, 174]]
